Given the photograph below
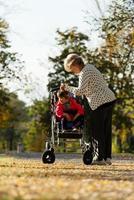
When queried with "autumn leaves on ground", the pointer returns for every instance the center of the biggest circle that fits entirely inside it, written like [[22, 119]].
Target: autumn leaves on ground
[[66, 179]]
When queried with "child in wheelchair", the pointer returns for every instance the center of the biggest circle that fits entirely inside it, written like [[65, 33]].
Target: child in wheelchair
[[67, 124], [69, 110]]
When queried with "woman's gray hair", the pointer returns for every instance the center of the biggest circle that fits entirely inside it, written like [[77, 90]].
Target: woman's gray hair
[[72, 59]]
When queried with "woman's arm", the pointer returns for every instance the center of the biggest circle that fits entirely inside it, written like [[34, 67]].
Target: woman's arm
[[83, 85]]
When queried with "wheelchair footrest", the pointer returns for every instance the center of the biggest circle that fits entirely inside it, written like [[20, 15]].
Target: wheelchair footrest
[[70, 135]]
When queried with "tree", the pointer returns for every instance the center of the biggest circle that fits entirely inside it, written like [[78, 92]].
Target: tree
[[68, 41], [39, 125], [9, 63], [13, 117], [114, 59]]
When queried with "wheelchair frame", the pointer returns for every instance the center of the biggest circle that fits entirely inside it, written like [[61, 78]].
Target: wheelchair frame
[[58, 132]]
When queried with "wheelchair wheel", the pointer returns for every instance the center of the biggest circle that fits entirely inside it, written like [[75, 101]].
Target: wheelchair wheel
[[48, 157], [88, 157]]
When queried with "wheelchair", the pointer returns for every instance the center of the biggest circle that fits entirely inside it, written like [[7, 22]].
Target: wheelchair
[[58, 131]]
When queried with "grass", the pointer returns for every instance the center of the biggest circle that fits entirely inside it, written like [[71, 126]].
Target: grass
[[30, 179]]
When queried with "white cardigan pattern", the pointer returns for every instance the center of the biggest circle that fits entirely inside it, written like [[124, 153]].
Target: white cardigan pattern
[[93, 86]]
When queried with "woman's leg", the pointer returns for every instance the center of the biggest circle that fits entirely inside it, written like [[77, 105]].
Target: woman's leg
[[101, 120], [87, 122], [98, 133], [108, 132]]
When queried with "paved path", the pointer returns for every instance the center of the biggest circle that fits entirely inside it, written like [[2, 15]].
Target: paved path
[[72, 157]]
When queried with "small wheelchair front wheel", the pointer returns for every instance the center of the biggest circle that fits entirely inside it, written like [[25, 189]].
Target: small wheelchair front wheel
[[48, 157], [88, 157]]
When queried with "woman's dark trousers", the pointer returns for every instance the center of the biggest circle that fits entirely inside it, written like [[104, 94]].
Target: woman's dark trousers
[[98, 129]]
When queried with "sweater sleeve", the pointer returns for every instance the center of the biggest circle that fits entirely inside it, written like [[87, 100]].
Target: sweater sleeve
[[59, 110], [83, 85]]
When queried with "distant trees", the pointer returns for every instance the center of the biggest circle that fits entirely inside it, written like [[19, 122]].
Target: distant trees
[[12, 110], [10, 65], [114, 59], [38, 126], [13, 116], [68, 41]]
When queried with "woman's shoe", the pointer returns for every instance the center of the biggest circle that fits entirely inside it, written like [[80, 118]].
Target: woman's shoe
[[108, 161], [99, 162]]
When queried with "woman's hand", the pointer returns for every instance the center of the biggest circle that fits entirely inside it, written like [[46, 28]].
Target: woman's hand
[[63, 86]]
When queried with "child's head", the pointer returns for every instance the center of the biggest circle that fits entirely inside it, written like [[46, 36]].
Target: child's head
[[63, 96]]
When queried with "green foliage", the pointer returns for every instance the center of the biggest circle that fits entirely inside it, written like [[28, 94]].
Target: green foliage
[[39, 127], [3, 30], [13, 116], [9, 63], [68, 41], [10, 68], [114, 59], [117, 55], [3, 97], [12, 110]]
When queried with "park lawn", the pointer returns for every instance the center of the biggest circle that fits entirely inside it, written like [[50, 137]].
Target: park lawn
[[30, 179]]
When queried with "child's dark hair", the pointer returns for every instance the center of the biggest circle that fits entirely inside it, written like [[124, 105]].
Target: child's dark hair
[[62, 94]]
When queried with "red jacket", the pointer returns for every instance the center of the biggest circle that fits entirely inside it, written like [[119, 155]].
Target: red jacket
[[72, 105]]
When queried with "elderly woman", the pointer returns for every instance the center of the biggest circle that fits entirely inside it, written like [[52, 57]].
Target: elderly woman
[[98, 109]]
